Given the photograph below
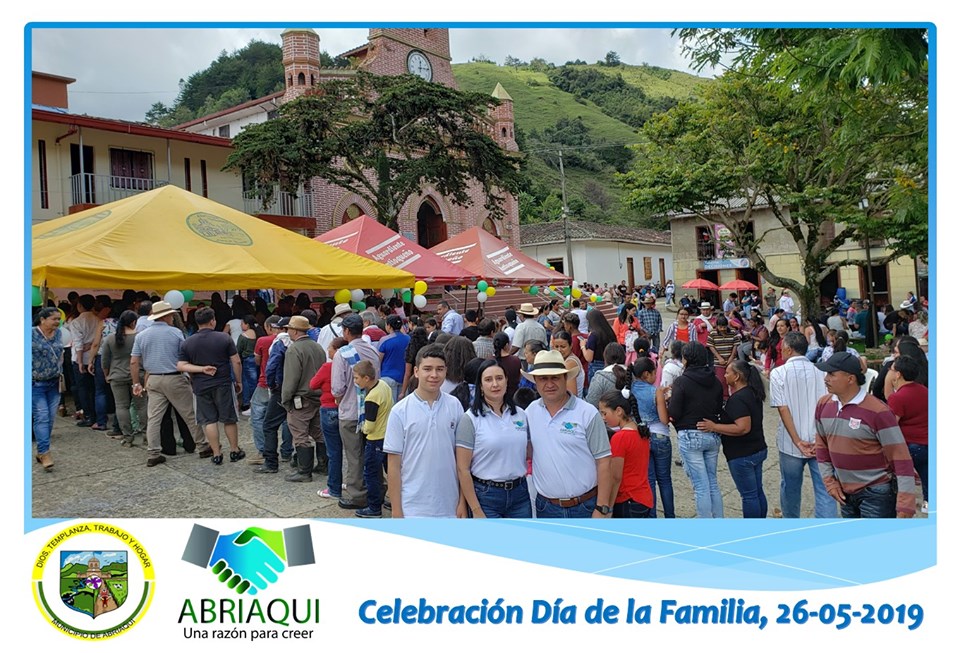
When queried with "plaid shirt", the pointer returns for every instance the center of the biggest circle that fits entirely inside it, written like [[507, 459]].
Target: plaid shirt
[[650, 320]]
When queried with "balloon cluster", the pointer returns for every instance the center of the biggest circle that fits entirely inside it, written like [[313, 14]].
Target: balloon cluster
[[485, 291], [177, 298], [352, 297]]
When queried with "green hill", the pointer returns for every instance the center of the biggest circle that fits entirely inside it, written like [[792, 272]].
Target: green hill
[[591, 112], [73, 570]]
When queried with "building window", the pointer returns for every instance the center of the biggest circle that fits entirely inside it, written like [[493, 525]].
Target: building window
[[44, 184], [203, 177], [289, 81], [187, 182], [313, 80], [131, 169], [503, 132], [557, 264], [301, 79], [352, 213], [647, 268], [224, 131]]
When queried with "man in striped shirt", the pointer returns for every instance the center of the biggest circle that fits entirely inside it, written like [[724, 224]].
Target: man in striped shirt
[[863, 458]]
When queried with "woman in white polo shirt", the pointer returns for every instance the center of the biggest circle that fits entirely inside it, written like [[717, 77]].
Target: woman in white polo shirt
[[492, 440]]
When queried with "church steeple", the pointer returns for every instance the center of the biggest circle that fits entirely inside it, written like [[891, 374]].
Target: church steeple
[[503, 120], [301, 61]]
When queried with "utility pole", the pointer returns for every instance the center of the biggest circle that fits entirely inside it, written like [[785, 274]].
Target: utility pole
[[872, 314], [566, 222]]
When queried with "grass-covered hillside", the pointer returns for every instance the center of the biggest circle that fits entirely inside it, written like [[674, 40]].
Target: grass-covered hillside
[[592, 113]]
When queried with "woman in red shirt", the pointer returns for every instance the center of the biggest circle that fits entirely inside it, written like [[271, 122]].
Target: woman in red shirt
[[627, 321], [330, 424], [630, 492], [909, 403], [774, 344]]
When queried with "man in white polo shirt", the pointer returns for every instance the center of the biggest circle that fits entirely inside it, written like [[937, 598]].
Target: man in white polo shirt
[[421, 445], [571, 450], [795, 388]]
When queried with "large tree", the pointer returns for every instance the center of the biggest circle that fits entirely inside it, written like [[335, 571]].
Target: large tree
[[384, 138], [800, 141]]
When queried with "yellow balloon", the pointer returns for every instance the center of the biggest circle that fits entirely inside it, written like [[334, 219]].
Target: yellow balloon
[[419, 287], [577, 293], [342, 296], [491, 291], [525, 289], [554, 288]]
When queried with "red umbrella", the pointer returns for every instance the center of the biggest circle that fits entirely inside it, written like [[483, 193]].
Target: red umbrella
[[738, 284], [701, 284]]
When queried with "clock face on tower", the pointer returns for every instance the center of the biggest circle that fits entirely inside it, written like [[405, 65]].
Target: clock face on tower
[[419, 65]]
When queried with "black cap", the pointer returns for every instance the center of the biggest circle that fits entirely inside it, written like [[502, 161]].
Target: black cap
[[283, 323], [842, 361], [352, 322]]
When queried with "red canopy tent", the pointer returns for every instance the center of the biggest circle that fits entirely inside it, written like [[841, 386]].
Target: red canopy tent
[[488, 257], [370, 239]]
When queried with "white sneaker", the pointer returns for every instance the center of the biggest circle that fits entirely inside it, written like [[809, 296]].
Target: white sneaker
[[246, 413], [325, 494], [923, 509]]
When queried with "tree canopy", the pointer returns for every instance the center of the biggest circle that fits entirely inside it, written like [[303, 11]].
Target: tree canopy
[[801, 139], [384, 138]]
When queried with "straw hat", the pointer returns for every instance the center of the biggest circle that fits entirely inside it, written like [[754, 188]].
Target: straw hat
[[161, 309], [342, 309], [299, 323], [528, 310], [548, 363]]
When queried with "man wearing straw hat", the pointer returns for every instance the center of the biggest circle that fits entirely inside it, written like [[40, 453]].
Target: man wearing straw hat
[[571, 450], [528, 329], [157, 349]]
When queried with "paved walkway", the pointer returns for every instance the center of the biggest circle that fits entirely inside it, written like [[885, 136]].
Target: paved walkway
[[94, 477]]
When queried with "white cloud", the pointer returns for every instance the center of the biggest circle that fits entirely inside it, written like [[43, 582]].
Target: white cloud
[[121, 72]]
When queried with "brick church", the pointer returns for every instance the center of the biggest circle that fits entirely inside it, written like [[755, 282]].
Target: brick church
[[429, 218]]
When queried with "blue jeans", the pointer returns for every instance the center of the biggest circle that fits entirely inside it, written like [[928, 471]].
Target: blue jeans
[[813, 354], [84, 392], [499, 502], [45, 398], [249, 377], [330, 425], [103, 395], [630, 509], [258, 413], [747, 473], [373, 473], [791, 483], [919, 454], [275, 418], [659, 473], [871, 502], [594, 367], [699, 451], [547, 510]]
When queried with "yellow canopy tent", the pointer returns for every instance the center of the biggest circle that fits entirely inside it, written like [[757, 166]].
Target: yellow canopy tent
[[172, 238]]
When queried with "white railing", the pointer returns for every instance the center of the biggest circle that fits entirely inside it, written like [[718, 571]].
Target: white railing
[[88, 188], [298, 205]]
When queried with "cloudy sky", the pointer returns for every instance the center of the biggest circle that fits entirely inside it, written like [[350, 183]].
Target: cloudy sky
[[121, 72]]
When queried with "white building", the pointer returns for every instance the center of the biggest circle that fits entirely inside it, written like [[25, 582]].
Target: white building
[[602, 253]]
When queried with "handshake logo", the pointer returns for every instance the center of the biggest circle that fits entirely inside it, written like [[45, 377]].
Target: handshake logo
[[250, 560]]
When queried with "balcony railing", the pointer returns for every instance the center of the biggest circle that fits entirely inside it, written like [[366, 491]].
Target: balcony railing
[[706, 251], [299, 205], [88, 188]]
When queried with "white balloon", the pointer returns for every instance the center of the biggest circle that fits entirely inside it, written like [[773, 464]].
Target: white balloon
[[419, 301], [482, 297], [386, 293], [575, 284], [356, 295], [174, 298]]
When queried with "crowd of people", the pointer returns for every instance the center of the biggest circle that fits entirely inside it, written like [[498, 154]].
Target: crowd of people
[[545, 410]]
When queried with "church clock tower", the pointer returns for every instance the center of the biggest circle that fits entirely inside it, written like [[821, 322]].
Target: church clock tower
[[424, 52]]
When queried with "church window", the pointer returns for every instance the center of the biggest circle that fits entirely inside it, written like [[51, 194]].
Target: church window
[[301, 79]]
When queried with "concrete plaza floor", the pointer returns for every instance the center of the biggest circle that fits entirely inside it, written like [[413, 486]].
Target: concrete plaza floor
[[94, 477]]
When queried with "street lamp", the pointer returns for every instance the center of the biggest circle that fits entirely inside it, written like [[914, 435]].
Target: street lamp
[[872, 312]]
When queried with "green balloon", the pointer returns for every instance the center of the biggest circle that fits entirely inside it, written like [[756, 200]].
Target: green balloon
[[406, 297], [567, 291], [566, 304], [35, 298], [534, 290], [187, 295], [358, 306], [482, 286]]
